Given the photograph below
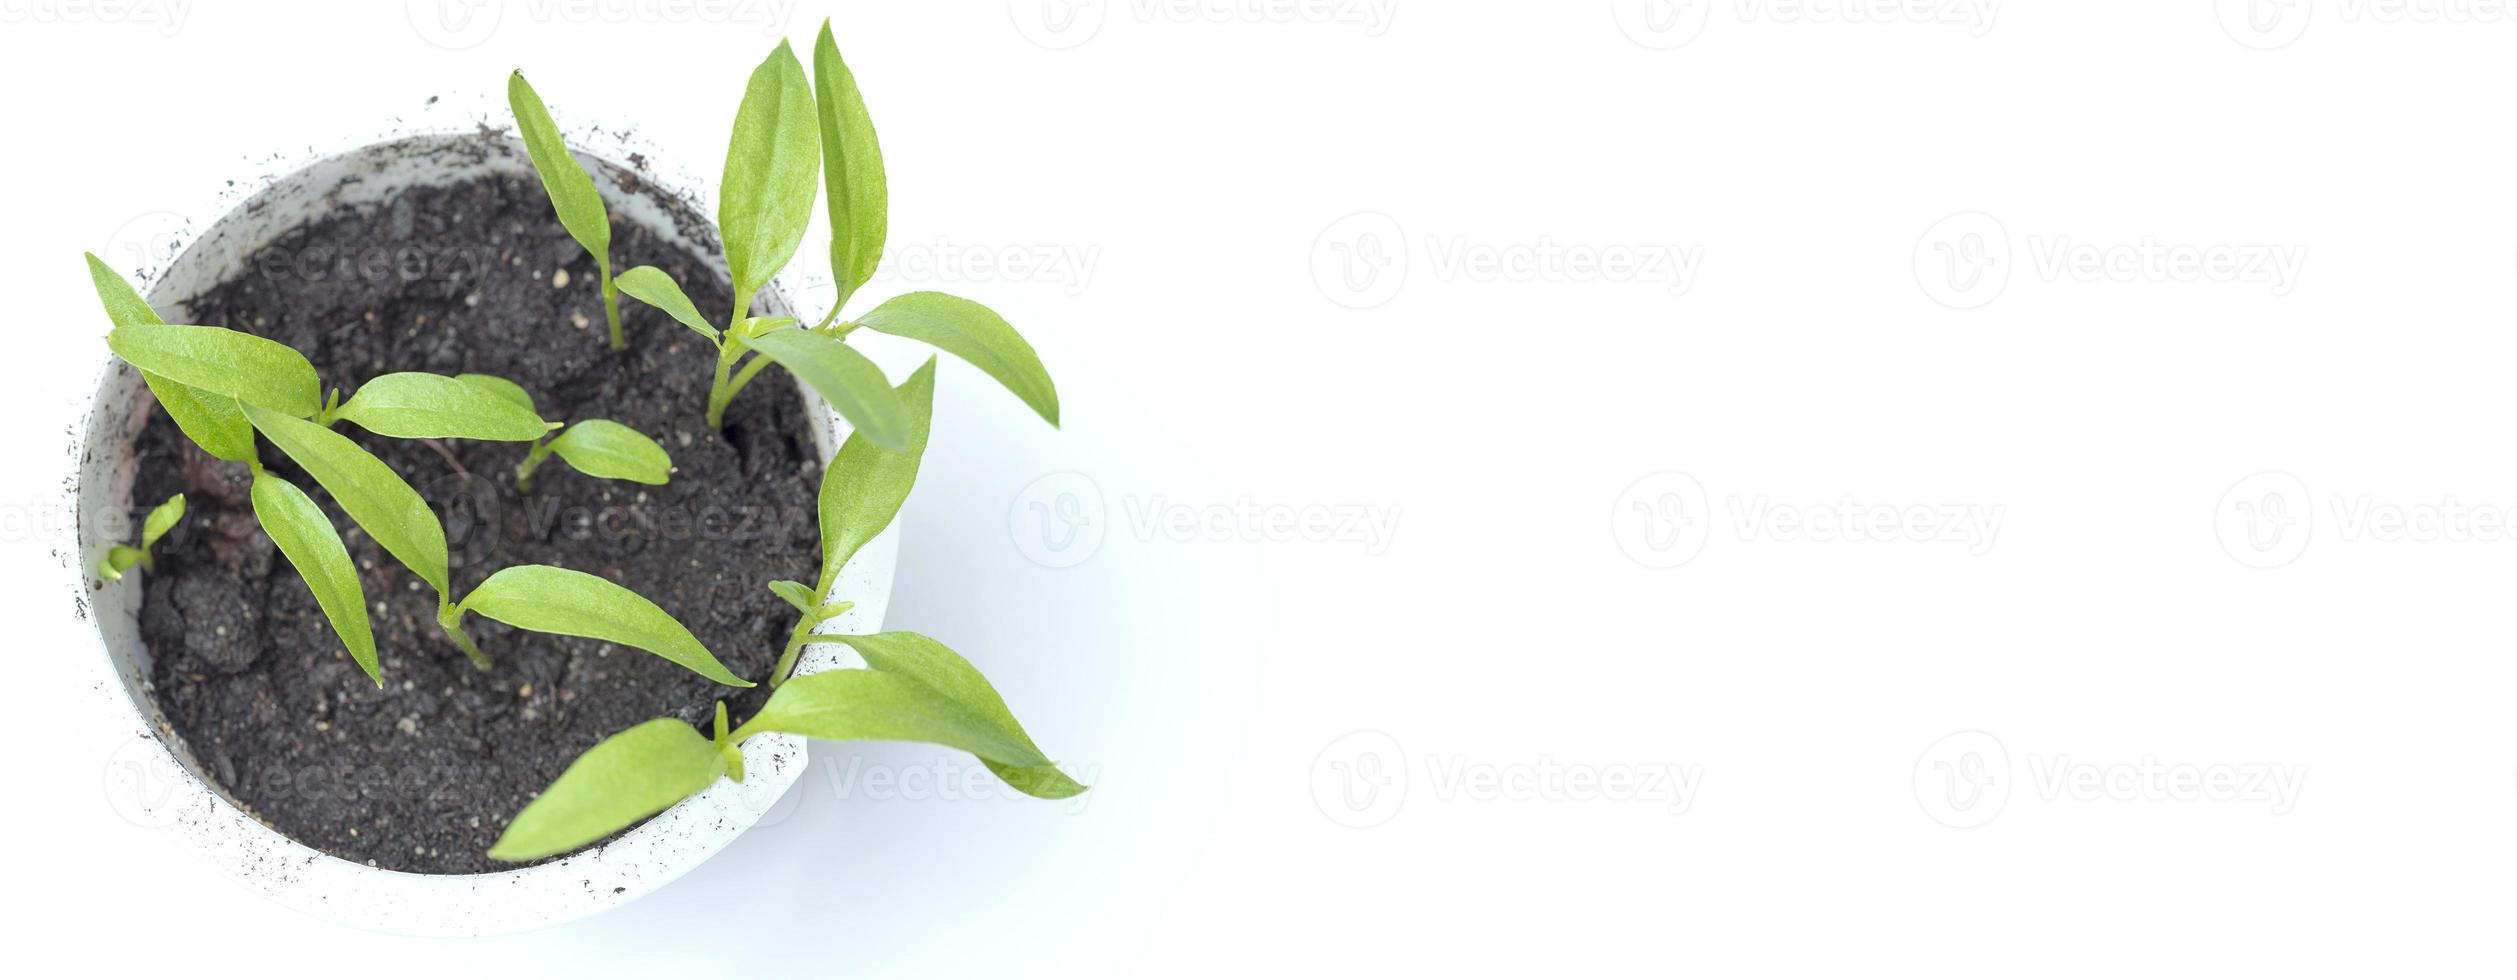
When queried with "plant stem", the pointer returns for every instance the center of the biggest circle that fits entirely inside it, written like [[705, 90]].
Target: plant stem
[[532, 461], [728, 351], [612, 308], [452, 619]]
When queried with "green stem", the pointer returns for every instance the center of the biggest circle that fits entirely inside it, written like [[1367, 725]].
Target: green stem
[[451, 617], [612, 308], [744, 376], [828, 320], [728, 350], [532, 461]]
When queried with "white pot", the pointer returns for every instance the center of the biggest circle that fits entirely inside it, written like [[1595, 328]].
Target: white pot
[[162, 781]]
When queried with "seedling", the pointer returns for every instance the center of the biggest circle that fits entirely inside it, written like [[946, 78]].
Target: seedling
[[221, 387], [596, 447], [912, 688], [120, 558], [571, 189], [785, 125]]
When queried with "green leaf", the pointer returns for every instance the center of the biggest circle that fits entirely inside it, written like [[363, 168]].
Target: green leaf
[[573, 196], [973, 333], [549, 599], [797, 594], [307, 539], [211, 422], [846, 379], [868, 705], [368, 490], [852, 170], [938, 667], [250, 369], [498, 387], [865, 485], [607, 449], [413, 405], [161, 519], [766, 197], [620, 781], [118, 559], [652, 286]]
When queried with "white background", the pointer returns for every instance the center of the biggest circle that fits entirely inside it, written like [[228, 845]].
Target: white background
[[1837, 348]]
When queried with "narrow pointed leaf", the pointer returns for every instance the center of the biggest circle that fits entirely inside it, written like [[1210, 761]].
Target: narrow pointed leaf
[[307, 539], [498, 387], [234, 364], [374, 496], [413, 405], [161, 519], [549, 599], [620, 781], [212, 422], [853, 386], [797, 594], [936, 666], [573, 197], [975, 334], [766, 197], [865, 485], [652, 286], [607, 449], [868, 705], [852, 170]]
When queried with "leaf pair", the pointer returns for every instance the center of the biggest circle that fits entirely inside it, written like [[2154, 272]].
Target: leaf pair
[[915, 690], [599, 448], [161, 519]]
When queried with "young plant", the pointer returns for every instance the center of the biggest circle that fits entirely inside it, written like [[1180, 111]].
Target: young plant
[[572, 192], [222, 387], [766, 200], [598, 448], [912, 688], [120, 558]]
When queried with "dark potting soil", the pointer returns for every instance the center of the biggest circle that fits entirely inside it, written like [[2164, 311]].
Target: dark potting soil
[[423, 775]]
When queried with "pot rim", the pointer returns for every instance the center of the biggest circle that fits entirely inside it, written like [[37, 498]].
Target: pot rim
[[151, 779]]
